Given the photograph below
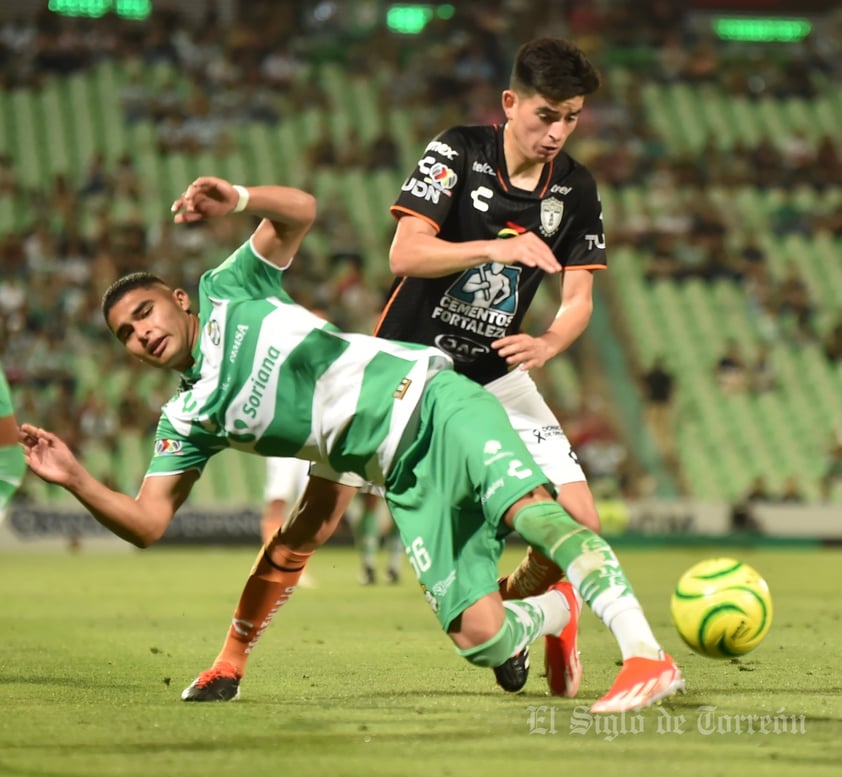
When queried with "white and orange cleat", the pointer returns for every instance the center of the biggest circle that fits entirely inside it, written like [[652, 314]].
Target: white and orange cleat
[[561, 653], [641, 683]]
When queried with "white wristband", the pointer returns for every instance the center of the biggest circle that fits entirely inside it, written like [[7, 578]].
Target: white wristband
[[243, 200]]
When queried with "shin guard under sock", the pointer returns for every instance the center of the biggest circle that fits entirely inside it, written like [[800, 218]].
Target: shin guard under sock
[[534, 575], [269, 587], [593, 569]]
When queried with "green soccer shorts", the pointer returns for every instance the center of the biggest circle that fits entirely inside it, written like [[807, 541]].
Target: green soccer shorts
[[449, 490]]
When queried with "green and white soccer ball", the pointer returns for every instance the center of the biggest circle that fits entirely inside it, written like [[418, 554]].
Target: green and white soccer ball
[[721, 608]]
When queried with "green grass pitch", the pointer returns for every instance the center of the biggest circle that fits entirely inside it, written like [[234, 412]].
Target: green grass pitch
[[349, 680]]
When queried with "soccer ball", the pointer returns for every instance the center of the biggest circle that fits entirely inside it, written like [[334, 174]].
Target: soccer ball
[[721, 608]]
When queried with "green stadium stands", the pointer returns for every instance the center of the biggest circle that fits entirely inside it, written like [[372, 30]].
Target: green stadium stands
[[724, 441], [733, 438]]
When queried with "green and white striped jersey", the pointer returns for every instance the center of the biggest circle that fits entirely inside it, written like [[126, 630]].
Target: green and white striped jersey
[[272, 378]]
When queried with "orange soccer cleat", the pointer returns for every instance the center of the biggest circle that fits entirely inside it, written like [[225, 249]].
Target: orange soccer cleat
[[219, 683], [641, 683], [561, 653]]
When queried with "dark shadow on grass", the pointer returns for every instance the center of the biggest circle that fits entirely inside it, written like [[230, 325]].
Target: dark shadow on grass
[[800, 761], [305, 738], [11, 771], [741, 693], [744, 708], [405, 694], [63, 681]]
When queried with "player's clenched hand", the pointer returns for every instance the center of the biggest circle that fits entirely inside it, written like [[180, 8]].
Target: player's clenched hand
[[205, 198], [524, 350], [527, 249], [48, 456]]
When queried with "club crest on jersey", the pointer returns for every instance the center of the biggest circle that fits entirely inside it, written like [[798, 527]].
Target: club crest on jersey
[[213, 332], [552, 209]]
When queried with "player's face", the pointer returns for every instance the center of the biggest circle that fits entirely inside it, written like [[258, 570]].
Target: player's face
[[154, 326], [539, 126]]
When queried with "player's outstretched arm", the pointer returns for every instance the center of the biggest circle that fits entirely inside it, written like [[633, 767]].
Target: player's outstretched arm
[[141, 520], [287, 213], [571, 320]]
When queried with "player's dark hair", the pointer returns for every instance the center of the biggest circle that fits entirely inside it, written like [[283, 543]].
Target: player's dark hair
[[553, 68], [122, 286]]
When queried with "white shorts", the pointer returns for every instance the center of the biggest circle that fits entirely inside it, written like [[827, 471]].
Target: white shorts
[[537, 426], [286, 478]]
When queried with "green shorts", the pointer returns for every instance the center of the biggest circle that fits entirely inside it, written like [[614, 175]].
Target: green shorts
[[451, 487]]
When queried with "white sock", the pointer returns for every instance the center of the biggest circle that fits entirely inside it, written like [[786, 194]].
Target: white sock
[[555, 609], [632, 631]]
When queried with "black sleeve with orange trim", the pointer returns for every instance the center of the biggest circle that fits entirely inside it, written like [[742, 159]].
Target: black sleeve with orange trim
[[429, 191], [583, 246]]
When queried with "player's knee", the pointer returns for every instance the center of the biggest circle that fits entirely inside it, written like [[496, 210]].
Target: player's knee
[[489, 653], [577, 500], [477, 627]]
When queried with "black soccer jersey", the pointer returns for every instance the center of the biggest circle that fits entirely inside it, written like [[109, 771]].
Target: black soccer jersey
[[461, 187]]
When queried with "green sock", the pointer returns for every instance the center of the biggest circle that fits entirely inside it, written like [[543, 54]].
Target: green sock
[[594, 571], [523, 624]]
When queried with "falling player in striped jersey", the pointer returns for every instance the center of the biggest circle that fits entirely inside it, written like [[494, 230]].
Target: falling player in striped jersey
[[263, 375]]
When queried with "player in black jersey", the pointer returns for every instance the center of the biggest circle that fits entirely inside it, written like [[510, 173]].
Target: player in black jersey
[[487, 212], [473, 244]]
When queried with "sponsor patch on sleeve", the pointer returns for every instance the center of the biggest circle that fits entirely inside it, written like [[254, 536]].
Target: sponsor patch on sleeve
[[167, 447]]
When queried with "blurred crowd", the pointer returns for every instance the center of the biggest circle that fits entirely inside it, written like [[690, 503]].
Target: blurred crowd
[[72, 236]]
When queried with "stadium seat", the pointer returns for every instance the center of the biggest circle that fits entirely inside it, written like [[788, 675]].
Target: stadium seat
[[262, 164], [106, 95], [293, 160], [59, 145], [85, 118], [233, 167], [7, 215], [825, 120], [402, 127], [28, 155], [7, 133], [366, 111]]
